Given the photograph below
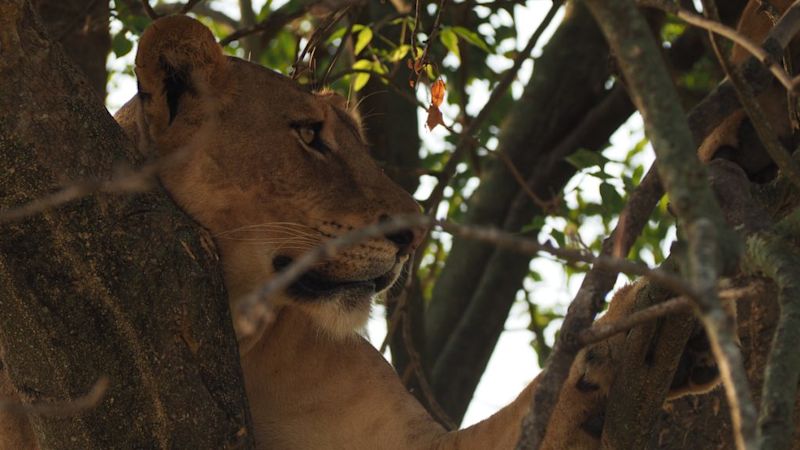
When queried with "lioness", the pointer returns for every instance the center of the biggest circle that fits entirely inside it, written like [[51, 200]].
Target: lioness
[[272, 170]]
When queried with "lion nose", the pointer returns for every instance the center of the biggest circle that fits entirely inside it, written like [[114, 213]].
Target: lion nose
[[406, 240]]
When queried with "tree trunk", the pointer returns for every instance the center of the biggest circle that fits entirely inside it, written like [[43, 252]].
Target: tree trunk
[[81, 27], [118, 286]]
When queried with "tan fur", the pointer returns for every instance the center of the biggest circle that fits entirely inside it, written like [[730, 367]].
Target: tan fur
[[755, 23], [247, 177], [319, 393], [242, 172], [15, 428]]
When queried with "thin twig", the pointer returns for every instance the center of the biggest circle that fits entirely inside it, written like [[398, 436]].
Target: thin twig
[[201, 9], [274, 22], [498, 92], [316, 37], [335, 57], [722, 332], [762, 124], [247, 316], [415, 362], [189, 6], [601, 331], [728, 32], [149, 10], [412, 35], [139, 180], [545, 206], [422, 61], [250, 308], [60, 409]]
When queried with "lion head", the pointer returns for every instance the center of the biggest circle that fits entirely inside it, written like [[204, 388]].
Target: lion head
[[270, 169]]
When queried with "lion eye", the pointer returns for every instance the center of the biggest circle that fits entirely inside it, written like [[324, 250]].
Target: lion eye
[[308, 135]]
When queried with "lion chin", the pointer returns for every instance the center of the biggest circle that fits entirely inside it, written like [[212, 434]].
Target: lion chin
[[340, 307]]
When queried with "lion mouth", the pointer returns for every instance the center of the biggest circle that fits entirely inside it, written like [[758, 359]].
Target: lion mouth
[[313, 285]]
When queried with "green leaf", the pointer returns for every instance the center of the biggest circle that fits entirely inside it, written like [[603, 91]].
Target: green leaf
[[472, 37], [638, 173], [361, 78], [121, 45], [600, 175], [338, 34], [364, 38], [135, 24], [536, 224], [611, 199], [429, 72], [583, 159], [559, 237], [360, 81], [450, 40], [398, 53]]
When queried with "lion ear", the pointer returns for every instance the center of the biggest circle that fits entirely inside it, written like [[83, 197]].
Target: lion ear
[[178, 65]]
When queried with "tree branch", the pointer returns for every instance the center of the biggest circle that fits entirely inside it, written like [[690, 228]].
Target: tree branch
[[675, 305], [201, 9], [685, 181], [718, 105], [773, 253], [758, 118], [252, 308], [587, 302], [124, 181], [715, 27], [190, 4], [277, 20], [149, 10]]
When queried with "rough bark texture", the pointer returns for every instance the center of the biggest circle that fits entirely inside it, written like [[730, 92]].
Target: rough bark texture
[[703, 422], [81, 27], [123, 286]]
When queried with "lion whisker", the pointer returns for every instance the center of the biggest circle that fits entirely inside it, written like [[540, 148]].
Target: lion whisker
[[286, 227]]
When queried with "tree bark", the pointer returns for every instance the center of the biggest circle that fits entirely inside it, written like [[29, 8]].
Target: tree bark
[[703, 421], [125, 287], [81, 27]]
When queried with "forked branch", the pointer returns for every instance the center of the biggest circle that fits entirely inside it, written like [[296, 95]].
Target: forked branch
[[685, 181], [743, 41]]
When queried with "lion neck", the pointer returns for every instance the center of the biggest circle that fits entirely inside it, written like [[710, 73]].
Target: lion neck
[[297, 374]]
